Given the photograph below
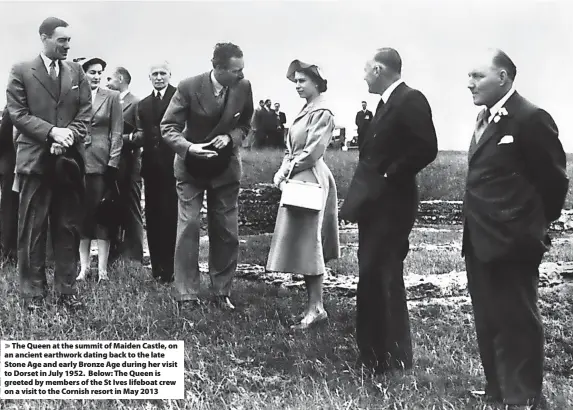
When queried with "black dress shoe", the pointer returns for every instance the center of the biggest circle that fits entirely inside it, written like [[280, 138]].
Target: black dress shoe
[[224, 303], [70, 302]]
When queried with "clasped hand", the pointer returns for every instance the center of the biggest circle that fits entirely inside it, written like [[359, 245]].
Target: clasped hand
[[63, 136], [203, 151], [57, 149]]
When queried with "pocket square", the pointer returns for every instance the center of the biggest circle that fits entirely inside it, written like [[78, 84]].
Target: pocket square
[[237, 114], [507, 139], [74, 87]]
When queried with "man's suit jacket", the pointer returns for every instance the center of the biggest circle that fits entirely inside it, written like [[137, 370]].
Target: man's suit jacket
[[35, 109], [194, 117], [516, 184], [400, 142], [363, 119], [7, 150], [104, 140], [130, 163], [281, 120], [157, 157]]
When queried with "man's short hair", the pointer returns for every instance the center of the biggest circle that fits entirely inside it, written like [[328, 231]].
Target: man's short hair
[[363, 102], [223, 53], [267, 101], [161, 64], [124, 73], [502, 60], [50, 24], [389, 58]]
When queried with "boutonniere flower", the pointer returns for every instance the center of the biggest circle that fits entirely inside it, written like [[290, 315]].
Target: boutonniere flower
[[501, 113]]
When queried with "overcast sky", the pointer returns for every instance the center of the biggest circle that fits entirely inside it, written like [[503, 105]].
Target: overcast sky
[[436, 40]]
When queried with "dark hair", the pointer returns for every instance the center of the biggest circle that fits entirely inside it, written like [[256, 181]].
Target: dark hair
[[363, 102], [50, 24], [502, 60], [315, 78], [124, 73], [390, 58], [267, 100], [223, 53]]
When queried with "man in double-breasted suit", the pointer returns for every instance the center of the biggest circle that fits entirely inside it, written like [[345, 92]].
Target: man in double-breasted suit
[[383, 199], [129, 178], [157, 173], [8, 198], [362, 121], [205, 124], [516, 185], [49, 102]]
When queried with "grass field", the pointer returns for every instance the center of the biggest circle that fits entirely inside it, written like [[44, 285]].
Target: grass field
[[444, 179], [250, 359]]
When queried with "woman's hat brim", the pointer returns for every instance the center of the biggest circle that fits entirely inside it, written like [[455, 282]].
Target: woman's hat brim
[[93, 60], [298, 65]]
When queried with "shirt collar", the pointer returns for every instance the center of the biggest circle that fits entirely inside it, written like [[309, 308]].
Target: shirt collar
[[386, 94], [123, 94], [217, 87], [47, 61], [497, 106], [161, 92]]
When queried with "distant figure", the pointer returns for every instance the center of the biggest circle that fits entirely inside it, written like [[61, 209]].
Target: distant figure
[[157, 172], [304, 240], [8, 198], [103, 145], [129, 174], [279, 134], [363, 119], [49, 102], [251, 140], [205, 123], [516, 185], [383, 199]]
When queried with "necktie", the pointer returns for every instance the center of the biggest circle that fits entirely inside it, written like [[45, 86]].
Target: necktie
[[481, 125], [158, 96], [53, 73]]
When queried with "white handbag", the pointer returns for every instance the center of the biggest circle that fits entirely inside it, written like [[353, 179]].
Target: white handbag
[[302, 194]]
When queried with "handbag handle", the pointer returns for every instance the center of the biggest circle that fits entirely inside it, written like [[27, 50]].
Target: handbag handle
[[312, 169]]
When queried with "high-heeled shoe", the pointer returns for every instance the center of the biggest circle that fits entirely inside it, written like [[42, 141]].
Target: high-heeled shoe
[[305, 324], [82, 275], [102, 275]]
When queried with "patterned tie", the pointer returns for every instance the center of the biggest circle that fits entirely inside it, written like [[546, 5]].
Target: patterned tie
[[481, 125], [53, 73]]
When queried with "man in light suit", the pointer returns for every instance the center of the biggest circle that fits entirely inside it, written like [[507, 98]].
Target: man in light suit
[[129, 178], [362, 121], [49, 102], [157, 173], [8, 198], [383, 199], [516, 185], [205, 123]]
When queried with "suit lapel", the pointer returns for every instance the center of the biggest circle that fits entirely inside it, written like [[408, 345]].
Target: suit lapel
[[233, 102], [99, 99], [66, 79], [380, 114], [205, 95], [39, 71], [492, 127], [166, 99]]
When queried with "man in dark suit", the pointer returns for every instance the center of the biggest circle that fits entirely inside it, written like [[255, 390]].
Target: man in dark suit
[[8, 198], [279, 134], [157, 173], [363, 119], [49, 102], [383, 199], [516, 185], [129, 178], [205, 123]]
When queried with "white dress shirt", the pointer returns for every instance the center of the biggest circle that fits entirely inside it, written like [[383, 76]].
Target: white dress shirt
[[386, 94], [48, 61], [94, 92], [217, 87], [160, 92], [497, 106], [123, 94]]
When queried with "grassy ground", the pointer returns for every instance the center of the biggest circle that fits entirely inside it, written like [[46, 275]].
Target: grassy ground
[[443, 179], [250, 359]]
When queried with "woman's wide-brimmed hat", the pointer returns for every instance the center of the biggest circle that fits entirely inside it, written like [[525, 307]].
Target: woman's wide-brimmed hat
[[91, 60], [298, 65]]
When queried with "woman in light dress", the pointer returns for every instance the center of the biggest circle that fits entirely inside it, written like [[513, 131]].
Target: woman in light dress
[[103, 148], [304, 240]]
